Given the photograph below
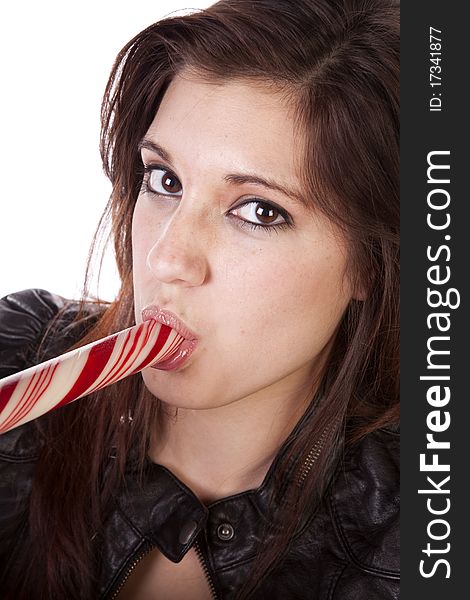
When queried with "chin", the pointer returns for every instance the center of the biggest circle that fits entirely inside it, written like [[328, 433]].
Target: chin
[[171, 394]]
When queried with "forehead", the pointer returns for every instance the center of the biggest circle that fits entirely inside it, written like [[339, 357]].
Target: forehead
[[231, 124]]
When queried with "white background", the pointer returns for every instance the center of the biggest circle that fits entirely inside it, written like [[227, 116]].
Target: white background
[[55, 58]]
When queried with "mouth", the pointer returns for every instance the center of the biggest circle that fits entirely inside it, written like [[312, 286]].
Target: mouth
[[182, 354]]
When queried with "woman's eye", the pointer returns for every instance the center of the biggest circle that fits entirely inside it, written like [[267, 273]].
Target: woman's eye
[[162, 181], [261, 214]]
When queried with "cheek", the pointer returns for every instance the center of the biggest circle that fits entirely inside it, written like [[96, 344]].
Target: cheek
[[282, 284], [138, 228], [142, 236], [137, 223], [291, 302], [141, 245]]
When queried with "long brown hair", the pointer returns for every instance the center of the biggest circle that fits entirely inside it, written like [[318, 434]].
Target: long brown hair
[[338, 63]]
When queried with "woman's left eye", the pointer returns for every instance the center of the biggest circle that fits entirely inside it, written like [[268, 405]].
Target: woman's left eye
[[162, 181], [258, 213]]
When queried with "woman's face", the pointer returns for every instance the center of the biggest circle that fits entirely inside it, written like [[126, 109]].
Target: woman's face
[[222, 239]]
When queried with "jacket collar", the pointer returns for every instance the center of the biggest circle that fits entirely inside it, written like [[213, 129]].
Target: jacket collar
[[170, 516]]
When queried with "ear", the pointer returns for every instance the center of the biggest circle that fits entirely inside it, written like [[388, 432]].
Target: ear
[[360, 288], [360, 294]]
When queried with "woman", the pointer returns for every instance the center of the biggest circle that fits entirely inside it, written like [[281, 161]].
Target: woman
[[253, 152]]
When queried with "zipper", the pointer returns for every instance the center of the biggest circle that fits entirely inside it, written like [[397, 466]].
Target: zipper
[[312, 456], [206, 571], [146, 550]]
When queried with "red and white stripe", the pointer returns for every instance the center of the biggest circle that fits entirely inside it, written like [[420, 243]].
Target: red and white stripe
[[31, 393]]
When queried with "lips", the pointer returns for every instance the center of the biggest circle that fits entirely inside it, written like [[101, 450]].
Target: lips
[[180, 357]]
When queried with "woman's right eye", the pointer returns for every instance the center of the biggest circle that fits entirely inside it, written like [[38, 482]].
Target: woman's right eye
[[159, 180]]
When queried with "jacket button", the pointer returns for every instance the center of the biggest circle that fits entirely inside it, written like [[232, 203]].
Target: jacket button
[[187, 532], [225, 532]]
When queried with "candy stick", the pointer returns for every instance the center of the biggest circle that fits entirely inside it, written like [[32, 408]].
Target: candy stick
[[31, 393]]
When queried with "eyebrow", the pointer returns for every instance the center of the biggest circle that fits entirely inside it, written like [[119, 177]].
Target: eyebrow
[[146, 144], [234, 178]]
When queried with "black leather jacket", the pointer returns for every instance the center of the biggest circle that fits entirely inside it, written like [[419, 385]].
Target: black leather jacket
[[346, 549]]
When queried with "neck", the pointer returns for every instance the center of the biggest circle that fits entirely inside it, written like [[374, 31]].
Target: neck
[[222, 451]]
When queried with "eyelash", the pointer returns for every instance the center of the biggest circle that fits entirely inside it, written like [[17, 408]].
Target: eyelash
[[288, 224]]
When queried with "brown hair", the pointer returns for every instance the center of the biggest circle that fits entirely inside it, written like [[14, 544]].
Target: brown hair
[[338, 61]]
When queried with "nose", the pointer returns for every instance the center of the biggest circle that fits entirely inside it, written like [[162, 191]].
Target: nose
[[179, 254]]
